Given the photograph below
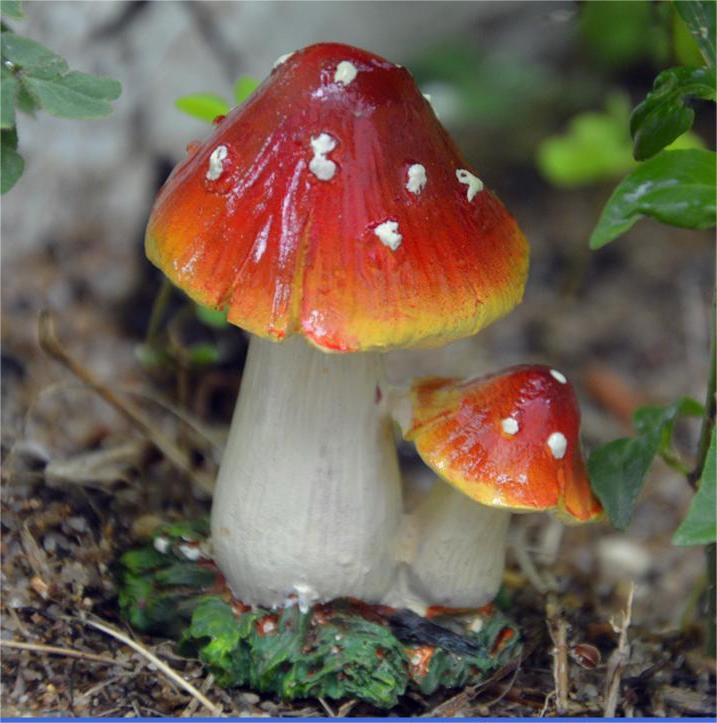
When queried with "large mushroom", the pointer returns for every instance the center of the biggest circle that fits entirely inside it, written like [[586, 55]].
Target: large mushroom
[[331, 206], [509, 442]]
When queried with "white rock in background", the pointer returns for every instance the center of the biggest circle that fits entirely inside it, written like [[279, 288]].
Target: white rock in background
[[100, 174], [621, 558]]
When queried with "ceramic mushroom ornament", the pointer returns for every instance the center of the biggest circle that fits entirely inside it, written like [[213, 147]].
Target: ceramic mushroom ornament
[[333, 219], [505, 443]]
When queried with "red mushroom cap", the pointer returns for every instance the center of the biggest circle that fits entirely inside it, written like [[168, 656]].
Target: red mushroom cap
[[507, 440], [333, 204]]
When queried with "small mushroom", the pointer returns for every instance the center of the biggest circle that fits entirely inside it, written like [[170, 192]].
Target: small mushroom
[[509, 442], [305, 214]]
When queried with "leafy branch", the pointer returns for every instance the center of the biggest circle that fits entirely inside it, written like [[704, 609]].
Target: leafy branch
[[32, 78], [676, 187]]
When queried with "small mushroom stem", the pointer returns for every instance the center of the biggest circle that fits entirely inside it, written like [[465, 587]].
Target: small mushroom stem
[[307, 500], [457, 552]]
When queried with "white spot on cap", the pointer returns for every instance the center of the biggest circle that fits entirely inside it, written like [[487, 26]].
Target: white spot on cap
[[320, 165], [282, 59], [558, 375], [345, 72], [161, 544], [216, 162], [268, 626], [473, 182], [558, 444], [387, 233], [510, 425], [416, 178]]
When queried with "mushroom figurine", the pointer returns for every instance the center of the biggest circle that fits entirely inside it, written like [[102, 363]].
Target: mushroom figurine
[[333, 219], [505, 443]]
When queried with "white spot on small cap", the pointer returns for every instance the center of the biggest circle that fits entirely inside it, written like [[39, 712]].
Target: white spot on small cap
[[510, 425], [558, 444], [558, 375], [323, 168], [345, 72], [416, 178], [282, 59], [427, 96], [216, 162], [387, 233], [473, 182]]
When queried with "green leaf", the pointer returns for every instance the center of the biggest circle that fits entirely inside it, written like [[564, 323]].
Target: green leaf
[[663, 115], [205, 106], [700, 525], [216, 318], [143, 559], [686, 50], [244, 87], [23, 98], [11, 162], [12, 9], [617, 469], [186, 574], [699, 15], [74, 94], [596, 147], [203, 353], [674, 187], [8, 86], [619, 35], [194, 530], [30, 55]]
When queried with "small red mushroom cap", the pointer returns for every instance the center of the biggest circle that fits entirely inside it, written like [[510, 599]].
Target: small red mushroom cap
[[333, 204], [507, 440]]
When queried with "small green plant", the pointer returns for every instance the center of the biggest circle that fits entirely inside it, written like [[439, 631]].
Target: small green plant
[[597, 146], [207, 106], [154, 352], [676, 187], [34, 78]]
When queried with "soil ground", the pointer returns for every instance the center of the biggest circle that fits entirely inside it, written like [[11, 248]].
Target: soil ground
[[628, 326]]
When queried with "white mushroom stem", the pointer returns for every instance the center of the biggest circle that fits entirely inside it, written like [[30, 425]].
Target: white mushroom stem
[[308, 496], [454, 552]]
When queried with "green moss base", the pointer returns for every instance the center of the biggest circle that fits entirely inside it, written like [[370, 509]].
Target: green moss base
[[344, 649]]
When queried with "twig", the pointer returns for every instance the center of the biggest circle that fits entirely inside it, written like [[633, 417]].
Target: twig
[[67, 652], [617, 661], [188, 712], [159, 664], [525, 561], [327, 708], [558, 629], [51, 346]]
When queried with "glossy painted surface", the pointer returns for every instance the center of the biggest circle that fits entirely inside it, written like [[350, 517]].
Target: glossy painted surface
[[286, 252], [458, 430]]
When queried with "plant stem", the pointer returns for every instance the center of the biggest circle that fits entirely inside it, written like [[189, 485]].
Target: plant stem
[[158, 307], [705, 435], [701, 19], [711, 643]]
